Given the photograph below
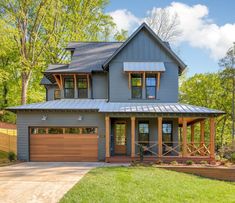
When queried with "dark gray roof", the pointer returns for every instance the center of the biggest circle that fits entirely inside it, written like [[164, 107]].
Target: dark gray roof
[[90, 56], [45, 81], [102, 105], [165, 45]]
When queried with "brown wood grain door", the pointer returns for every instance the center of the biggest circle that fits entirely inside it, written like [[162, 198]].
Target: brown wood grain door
[[120, 138]]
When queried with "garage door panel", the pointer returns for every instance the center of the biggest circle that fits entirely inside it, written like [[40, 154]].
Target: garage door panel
[[63, 147]]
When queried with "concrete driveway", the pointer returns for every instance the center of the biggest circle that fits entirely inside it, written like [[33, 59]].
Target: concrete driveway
[[40, 182]]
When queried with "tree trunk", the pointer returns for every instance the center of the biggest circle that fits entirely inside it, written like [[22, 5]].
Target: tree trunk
[[25, 82], [5, 92]]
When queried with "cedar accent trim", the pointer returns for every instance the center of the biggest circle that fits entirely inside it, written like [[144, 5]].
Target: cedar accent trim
[[184, 138], [158, 81], [159, 124], [132, 136], [107, 136]]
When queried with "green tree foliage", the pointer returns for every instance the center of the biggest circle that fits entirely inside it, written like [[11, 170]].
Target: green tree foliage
[[209, 90], [44, 27], [34, 33]]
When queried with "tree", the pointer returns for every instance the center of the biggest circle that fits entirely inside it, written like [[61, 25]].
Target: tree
[[207, 90], [43, 27], [165, 24], [228, 74]]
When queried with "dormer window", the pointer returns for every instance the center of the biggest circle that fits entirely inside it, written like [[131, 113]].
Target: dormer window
[[136, 86], [150, 86], [82, 87], [68, 88]]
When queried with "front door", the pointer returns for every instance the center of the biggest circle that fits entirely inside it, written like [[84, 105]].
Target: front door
[[120, 138]]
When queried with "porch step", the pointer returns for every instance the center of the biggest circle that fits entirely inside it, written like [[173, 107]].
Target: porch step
[[119, 159]]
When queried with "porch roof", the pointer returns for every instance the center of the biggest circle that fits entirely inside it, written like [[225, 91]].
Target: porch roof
[[102, 105]]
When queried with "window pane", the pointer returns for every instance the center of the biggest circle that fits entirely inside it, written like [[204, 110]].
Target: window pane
[[82, 83], [120, 134], [55, 130], [89, 130], [150, 92], [69, 93], [82, 93], [150, 81], [143, 128], [72, 130], [167, 132], [136, 82], [136, 92], [68, 83], [41, 131]]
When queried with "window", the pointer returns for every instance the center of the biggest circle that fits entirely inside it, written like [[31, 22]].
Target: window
[[82, 88], [167, 132], [55, 130], [120, 134], [136, 86], [68, 88], [66, 130], [57, 94], [150, 86], [143, 133]]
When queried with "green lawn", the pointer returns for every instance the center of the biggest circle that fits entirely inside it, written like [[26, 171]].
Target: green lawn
[[148, 184]]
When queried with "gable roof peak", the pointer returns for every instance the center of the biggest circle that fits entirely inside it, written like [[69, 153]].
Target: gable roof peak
[[166, 46]]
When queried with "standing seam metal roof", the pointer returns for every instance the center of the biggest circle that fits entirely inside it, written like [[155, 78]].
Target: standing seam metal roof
[[102, 105]]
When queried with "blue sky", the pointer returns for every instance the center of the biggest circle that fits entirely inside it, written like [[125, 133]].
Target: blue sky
[[212, 20]]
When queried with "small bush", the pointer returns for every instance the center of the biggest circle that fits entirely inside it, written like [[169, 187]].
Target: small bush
[[189, 162], [232, 158], [159, 162], [11, 156], [174, 163], [203, 162]]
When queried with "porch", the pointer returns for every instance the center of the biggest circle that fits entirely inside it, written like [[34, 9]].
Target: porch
[[162, 138]]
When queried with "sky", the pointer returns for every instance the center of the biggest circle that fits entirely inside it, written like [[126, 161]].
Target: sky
[[207, 27]]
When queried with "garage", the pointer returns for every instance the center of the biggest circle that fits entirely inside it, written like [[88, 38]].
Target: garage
[[63, 144]]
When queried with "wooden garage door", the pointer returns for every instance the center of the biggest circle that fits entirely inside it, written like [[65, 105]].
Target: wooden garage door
[[45, 146]]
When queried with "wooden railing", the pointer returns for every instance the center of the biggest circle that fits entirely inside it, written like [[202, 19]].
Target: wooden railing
[[147, 147], [173, 148], [198, 149]]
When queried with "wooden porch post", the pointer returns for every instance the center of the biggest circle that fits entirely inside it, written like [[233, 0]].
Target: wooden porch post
[[184, 138], [212, 138], [192, 136], [132, 136], [202, 132], [159, 136], [107, 136]]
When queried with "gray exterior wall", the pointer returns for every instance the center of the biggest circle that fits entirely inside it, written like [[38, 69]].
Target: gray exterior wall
[[143, 48], [99, 86], [50, 92], [29, 119]]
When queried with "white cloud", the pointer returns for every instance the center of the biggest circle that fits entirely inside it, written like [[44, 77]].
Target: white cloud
[[124, 19], [197, 28]]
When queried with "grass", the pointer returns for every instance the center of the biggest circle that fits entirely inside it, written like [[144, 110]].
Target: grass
[[147, 184]]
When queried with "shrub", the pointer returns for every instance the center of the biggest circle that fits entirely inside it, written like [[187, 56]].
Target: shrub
[[189, 162], [203, 162], [11, 156], [174, 163], [226, 152], [232, 158], [159, 162]]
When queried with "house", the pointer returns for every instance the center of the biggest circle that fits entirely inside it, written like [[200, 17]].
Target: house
[[110, 101]]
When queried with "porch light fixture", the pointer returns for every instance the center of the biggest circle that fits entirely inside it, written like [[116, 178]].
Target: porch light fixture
[[80, 118], [44, 117]]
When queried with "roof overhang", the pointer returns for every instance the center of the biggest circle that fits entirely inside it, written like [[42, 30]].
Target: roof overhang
[[144, 67]]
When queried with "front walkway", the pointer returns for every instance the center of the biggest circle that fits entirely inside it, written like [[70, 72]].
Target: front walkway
[[40, 182]]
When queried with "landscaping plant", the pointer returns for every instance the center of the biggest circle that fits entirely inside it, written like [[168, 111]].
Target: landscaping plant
[[11, 156]]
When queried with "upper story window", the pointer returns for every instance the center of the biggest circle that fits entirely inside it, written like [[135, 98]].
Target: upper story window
[[136, 86], [82, 87], [57, 93], [68, 88], [150, 86]]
